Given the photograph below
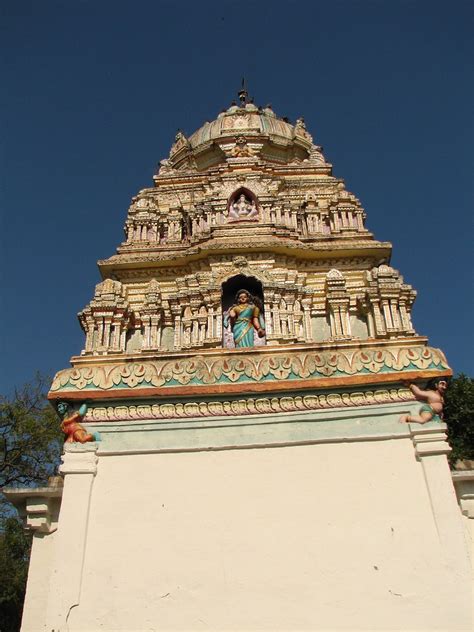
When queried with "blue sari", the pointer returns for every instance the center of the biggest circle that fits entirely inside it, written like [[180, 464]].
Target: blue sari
[[242, 326]]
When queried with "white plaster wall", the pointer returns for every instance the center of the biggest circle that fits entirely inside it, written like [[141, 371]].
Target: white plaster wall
[[317, 537], [39, 573]]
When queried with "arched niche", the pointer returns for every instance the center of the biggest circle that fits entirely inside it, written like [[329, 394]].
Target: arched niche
[[242, 206], [229, 290]]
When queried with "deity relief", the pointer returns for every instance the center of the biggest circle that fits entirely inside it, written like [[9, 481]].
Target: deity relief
[[241, 149], [243, 209], [432, 410], [243, 317], [74, 431]]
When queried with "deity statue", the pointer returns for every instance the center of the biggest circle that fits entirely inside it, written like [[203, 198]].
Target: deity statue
[[71, 427], [245, 316], [434, 398], [243, 209]]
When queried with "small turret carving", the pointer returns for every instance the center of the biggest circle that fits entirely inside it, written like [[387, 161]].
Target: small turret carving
[[106, 319], [152, 317], [388, 302]]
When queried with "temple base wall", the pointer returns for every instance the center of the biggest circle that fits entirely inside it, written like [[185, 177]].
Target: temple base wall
[[323, 536]]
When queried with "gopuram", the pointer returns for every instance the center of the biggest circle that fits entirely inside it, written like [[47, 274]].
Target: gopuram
[[242, 451]]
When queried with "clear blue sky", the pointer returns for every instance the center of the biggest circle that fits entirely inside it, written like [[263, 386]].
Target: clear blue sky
[[94, 91]]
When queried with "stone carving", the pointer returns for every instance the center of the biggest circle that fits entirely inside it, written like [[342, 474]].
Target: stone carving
[[432, 410], [286, 202], [70, 424], [241, 149], [243, 209], [337, 300], [387, 303], [152, 317], [232, 367], [243, 318], [106, 319], [250, 406]]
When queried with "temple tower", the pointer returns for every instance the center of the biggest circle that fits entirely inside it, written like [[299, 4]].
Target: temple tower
[[245, 366]]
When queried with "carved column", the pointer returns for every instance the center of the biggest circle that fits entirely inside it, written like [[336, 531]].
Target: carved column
[[276, 315], [379, 321], [219, 322], [387, 314], [395, 314], [210, 322], [308, 330], [176, 313]]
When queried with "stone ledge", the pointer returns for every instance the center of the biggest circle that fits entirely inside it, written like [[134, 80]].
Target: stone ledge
[[38, 507]]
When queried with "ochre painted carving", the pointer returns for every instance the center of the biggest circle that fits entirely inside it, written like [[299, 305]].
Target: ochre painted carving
[[250, 406], [70, 424], [233, 367]]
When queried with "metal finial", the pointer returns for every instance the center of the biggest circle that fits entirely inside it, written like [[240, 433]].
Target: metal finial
[[243, 94]]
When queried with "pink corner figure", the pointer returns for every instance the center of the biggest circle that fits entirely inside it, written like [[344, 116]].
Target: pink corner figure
[[432, 410], [74, 431]]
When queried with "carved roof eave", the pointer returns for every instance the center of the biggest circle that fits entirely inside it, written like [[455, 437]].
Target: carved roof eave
[[374, 251], [213, 146], [264, 167], [284, 368]]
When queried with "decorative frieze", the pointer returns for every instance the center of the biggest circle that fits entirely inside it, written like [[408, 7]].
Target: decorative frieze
[[248, 406], [231, 367]]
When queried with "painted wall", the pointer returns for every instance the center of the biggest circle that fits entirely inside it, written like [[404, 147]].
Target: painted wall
[[311, 537]]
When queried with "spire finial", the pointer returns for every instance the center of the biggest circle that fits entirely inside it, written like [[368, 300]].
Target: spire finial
[[243, 94]]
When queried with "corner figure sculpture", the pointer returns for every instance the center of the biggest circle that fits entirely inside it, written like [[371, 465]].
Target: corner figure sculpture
[[243, 209], [72, 428], [434, 398], [245, 316]]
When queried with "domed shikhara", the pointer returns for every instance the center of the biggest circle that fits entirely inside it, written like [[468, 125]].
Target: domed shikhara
[[243, 132], [247, 202], [247, 177]]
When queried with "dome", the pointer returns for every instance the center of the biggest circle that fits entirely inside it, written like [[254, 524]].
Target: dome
[[242, 131], [245, 121]]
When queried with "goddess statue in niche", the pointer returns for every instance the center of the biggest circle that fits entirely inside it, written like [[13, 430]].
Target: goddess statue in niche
[[243, 209], [245, 316]]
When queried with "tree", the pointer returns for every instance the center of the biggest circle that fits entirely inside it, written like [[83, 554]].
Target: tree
[[30, 448], [459, 417], [15, 546], [30, 436]]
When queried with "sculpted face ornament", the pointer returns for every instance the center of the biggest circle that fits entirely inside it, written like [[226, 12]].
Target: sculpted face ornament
[[242, 209]]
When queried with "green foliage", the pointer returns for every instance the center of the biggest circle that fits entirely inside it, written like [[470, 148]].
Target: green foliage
[[30, 436], [30, 448], [15, 547], [459, 417]]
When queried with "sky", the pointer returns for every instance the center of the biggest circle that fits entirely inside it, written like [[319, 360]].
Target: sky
[[94, 91]]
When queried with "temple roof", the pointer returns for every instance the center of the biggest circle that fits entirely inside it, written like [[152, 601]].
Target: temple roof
[[248, 120], [242, 130]]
